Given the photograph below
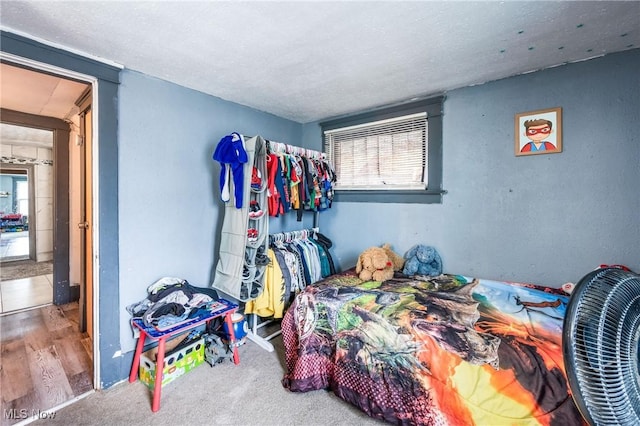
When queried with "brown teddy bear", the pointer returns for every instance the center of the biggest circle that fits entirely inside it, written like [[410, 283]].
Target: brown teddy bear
[[374, 265], [396, 259]]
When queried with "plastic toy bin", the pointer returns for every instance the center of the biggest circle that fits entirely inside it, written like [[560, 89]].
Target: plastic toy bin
[[175, 365], [183, 360]]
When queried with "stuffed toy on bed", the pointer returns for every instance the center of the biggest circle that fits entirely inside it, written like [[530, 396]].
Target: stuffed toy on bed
[[422, 260], [374, 265], [395, 258]]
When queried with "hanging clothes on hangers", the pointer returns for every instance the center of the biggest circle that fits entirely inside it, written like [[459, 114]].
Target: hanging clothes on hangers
[[300, 179], [275, 179], [270, 303], [302, 260], [278, 198]]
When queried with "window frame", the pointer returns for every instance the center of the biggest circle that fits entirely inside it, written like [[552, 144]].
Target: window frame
[[434, 192]]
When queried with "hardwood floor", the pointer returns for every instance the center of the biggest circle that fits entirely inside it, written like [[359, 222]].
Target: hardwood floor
[[25, 293], [44, 361]]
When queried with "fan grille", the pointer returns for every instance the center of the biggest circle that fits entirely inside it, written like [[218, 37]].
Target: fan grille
[[601, 347]]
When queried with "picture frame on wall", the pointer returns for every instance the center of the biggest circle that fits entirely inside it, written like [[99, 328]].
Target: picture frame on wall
[[538, 132]]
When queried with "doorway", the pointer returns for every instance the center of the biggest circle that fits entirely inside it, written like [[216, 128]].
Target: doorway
[[15, 202], [52, 176], [105, 81], [26, 237], [40, 127], [26, 176], [37, 101]]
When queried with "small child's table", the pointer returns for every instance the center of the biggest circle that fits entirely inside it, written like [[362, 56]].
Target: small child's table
[[219, 308]]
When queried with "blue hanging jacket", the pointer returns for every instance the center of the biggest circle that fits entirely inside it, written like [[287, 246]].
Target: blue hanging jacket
[[232, 156]]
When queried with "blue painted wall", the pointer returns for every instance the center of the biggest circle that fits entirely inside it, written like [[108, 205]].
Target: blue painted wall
[[546, 219], [169, 206]]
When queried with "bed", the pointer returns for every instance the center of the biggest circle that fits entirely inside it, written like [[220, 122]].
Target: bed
[[446, 350]]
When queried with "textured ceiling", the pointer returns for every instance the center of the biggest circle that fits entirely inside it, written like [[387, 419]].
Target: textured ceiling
[[39, 94], [308, 61], [25, 136]]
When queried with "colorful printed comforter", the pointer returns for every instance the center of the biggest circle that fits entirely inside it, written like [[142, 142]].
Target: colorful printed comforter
[[447, 350]]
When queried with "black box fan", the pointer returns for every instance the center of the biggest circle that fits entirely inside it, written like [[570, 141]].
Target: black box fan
[[601, 347]]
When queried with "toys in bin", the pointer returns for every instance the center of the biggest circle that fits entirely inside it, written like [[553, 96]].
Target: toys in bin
[[187, 355], [217, 348], [240, 329]]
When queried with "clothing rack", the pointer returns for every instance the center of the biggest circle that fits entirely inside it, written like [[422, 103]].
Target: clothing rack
[[274, 147], [264, 342]]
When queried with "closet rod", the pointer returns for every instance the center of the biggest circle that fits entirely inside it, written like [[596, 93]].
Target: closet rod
[[293, 235], [276, 147]]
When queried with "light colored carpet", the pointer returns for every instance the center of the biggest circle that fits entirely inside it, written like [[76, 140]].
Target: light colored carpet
[[24, 269], [246, 394]]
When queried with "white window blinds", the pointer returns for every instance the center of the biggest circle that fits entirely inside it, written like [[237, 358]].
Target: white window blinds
[[387, 154]]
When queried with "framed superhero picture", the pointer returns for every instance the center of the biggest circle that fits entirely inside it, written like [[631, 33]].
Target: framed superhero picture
[[538, 132]]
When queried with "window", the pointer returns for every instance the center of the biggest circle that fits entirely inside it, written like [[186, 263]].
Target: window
[[388, 155]]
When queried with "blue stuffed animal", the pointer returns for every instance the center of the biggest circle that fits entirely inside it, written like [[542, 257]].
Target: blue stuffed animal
[[422, 260]]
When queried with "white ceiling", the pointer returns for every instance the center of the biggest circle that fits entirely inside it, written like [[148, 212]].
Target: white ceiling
[[39, 94], [25, 136], [312, 60]]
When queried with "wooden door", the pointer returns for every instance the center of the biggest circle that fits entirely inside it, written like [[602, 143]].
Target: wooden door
[[86, 225]]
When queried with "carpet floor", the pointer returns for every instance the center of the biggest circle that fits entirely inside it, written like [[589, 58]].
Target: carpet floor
[[248, 394], [24, 269]]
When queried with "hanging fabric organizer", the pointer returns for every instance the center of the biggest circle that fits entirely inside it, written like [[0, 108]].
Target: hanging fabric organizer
[[244, 237]]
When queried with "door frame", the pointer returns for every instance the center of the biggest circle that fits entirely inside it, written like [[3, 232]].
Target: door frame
[[84, 103], [29, 171], [63, 292], [111, 366]]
